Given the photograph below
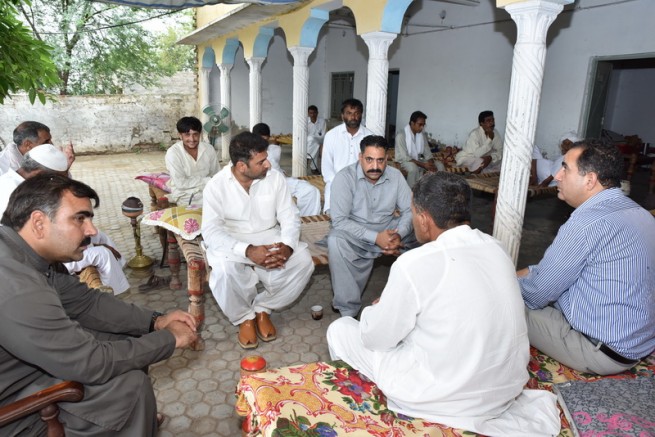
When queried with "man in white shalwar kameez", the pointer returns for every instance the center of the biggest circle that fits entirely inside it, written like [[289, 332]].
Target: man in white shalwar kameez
[[316, 128], [251, 229], [483, 150], [190, 162], [447, 340]]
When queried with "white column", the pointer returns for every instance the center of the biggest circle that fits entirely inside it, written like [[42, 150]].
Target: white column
[[204, 94], [378, 76], [255, 90], [532, 19], [226, 102], [300, 102]]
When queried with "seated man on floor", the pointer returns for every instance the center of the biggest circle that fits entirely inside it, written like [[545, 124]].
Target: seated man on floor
[[190, 162], [251, 228], [413, 151], [54, 328], [447, 340], [483, 150], [371, 216], [590, 301], [308, 197], [102, 254], [543, 170]]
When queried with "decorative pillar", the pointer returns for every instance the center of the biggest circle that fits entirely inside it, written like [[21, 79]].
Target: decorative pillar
[[226, 102], [378, 77], [532, 19], [204, 95], [300, 102], [255, 77]]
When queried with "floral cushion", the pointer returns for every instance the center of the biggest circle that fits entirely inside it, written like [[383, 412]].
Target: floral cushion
[[159, 180], [184, 221], [332, 399]]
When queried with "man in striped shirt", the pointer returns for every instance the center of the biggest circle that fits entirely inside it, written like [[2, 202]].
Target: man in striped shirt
[[591, 299]]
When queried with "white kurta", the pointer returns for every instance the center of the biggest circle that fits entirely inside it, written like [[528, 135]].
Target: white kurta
[[8, 183], [233, 219], [315, 133], [308, 197], [477, 146], [189, 176], [340, 149], [109, 268], [10, 158], [546, 167], [448, 339]]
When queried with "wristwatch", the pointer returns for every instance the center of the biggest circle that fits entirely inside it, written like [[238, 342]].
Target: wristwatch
[[155, 316]]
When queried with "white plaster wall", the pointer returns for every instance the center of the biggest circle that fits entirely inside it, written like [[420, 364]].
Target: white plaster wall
[[319, 94], [277, 86], [591, 30], [102, 123], [631, 103], [240, 91]]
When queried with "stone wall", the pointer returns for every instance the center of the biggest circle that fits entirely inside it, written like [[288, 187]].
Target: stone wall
[[106, 123]]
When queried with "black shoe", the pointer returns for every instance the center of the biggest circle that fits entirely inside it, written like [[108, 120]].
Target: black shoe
[[334, 310]]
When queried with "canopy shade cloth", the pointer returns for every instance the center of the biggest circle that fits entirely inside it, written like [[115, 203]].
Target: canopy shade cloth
[[182, 4]]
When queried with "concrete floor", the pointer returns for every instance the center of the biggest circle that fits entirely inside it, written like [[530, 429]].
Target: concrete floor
[[196, 389]]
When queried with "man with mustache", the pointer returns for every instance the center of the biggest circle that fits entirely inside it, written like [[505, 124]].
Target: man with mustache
[[371, 216], [190, 162], [101, 253], [341, 144], [54, 328], [251, 228], [484, 147]]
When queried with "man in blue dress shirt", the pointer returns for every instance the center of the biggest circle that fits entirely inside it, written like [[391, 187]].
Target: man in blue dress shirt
[[591, 299]]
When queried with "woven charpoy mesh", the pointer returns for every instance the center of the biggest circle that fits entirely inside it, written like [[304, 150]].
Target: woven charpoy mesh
[[313, 229]]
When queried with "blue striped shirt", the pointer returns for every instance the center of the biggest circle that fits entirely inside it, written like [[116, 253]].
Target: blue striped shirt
[[600, 273]]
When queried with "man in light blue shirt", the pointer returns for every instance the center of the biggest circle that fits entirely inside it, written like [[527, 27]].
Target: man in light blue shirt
[[591, 299], [365, 198]]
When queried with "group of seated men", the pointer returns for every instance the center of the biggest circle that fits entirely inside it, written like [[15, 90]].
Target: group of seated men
[[32, 153], [447, 340]]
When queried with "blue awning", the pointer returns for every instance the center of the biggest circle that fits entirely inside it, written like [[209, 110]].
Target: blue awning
[[182, 4]]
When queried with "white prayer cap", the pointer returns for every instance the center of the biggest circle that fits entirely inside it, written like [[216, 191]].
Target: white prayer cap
[[49, 156], [571, 136]]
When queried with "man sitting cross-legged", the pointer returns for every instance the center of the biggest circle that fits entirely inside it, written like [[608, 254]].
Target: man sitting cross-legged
[[370, 216], [54, 328], [413, 150], [447, 339], [590, 300], [251, 228]]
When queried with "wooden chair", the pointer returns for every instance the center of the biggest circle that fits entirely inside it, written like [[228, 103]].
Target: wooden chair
[[45, 403]]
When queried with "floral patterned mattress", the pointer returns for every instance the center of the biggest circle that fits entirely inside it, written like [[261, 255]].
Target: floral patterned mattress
[[331, 399]]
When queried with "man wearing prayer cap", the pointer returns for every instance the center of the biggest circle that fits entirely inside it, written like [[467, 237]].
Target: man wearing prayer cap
[[543, 170], [45, 158], [103, 255]]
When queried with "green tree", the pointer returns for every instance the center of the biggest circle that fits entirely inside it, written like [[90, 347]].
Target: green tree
[[25, 63], [98, 48]]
